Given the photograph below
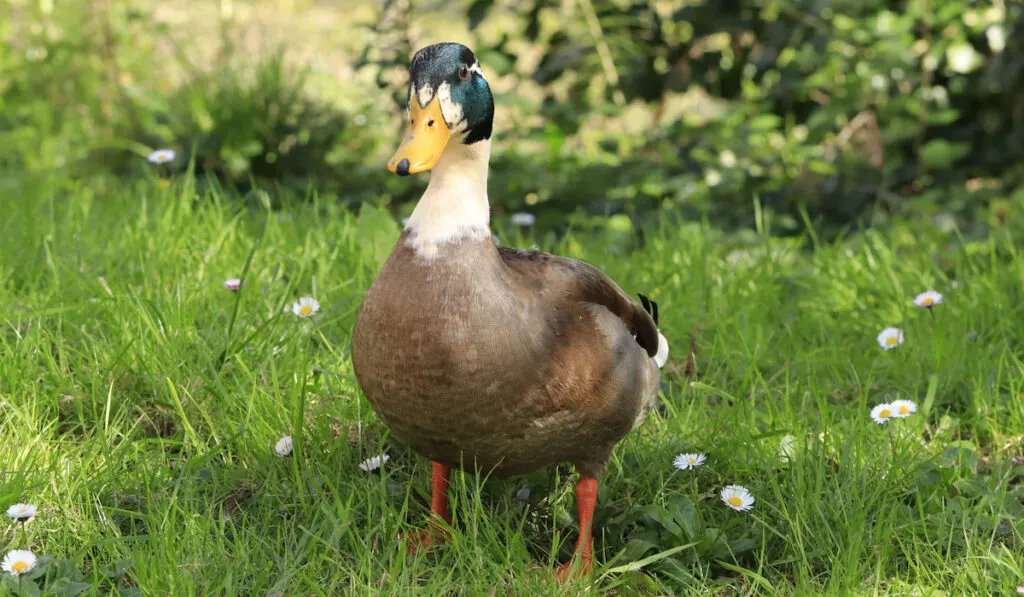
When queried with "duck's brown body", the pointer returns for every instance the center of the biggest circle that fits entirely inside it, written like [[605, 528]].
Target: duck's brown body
[[501, 360]]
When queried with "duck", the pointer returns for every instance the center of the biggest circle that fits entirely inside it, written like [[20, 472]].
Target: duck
[[488, 359]]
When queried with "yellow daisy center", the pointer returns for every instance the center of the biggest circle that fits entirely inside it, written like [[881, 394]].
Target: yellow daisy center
[[927, 301], [693, 460], [891, 340], [305, 310], [885, 414], [19, 567], [904, 410], [735, 501]]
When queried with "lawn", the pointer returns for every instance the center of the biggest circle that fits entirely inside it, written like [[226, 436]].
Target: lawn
[[141, 400]]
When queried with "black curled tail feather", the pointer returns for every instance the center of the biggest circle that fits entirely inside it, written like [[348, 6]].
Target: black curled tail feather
[[650, 306]]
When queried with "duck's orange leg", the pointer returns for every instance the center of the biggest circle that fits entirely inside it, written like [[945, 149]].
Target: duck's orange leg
[[586, 500], [433, 534]]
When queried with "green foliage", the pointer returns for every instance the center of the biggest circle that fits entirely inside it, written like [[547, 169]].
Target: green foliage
[[658, 528], [845, 113], [52, 84], [55, 576], [259, 125], [830, 108], [87, 85]]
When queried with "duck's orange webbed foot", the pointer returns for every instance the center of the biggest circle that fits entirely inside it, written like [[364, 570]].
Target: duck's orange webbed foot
[[582, 562], [424, 539], [574, 569], [433, 535]]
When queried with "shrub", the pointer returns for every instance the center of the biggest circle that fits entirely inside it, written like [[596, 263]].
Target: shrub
[[836, 108], [258, 124]]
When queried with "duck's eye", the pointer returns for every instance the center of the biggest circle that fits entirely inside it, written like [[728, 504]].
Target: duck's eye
[[464, 72], [430, 123]]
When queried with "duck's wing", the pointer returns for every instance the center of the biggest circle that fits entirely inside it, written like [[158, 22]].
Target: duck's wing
[[564, 279]]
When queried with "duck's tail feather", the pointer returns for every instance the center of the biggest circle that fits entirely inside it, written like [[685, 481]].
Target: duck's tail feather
[[661, 356], [650, 306]]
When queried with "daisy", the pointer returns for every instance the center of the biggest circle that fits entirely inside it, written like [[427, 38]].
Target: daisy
[[737, 497], [524, 219], [883, 412], [787, 446], [903, 408], [161, 156], [21, 511], [890, 338], [284, 446], [688, 461], [233, 284], [305, 306], [374, 462], [1020, 589], [928, 299], [18, 562]]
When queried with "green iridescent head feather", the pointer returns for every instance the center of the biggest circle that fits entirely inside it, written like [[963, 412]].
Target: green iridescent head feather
[[452, 72]]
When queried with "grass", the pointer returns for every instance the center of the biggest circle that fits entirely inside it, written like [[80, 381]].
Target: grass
[[140, 402]]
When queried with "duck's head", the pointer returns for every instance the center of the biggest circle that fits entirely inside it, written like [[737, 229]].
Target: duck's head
[[449, 102]]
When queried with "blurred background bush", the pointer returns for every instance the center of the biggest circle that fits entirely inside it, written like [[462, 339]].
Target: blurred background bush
[[841, 113]]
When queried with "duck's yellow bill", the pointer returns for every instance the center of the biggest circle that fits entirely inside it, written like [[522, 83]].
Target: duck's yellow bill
[[424, 140]]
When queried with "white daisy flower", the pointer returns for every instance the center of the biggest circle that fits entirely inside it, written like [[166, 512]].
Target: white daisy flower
[[521, 218], [305, 306], [685, 462], [787, 446], [18, 562], [21, 511], [928, 299], [883, 412], [903, 408], [737, 497], [890, 338], [161, 156], [284, 446], [1020, 589], [374, 462], [233, 284]]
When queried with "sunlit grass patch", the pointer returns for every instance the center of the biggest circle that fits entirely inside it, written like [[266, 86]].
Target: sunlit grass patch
[[142, 404]]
